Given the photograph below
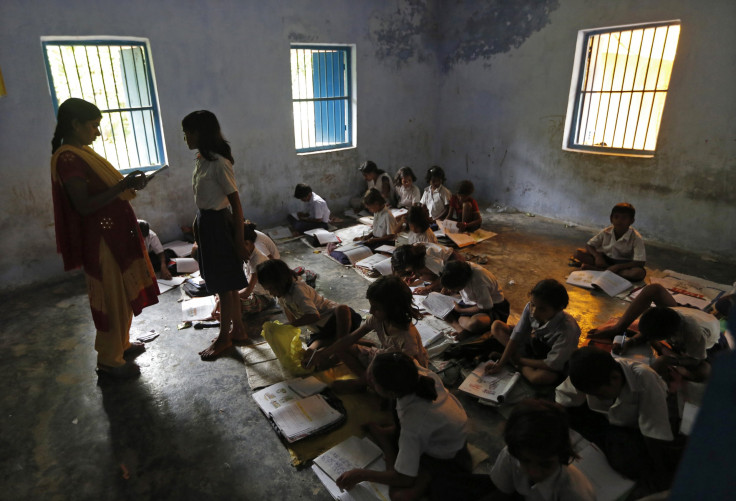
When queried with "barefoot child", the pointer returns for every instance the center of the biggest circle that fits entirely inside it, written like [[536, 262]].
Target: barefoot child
[[475, 285], [156, 252], [618, 248], [316, 214], [384, 223], [218, 225], [464, 209], [430, 438], [391, 315], [303, 306], [541, 343]]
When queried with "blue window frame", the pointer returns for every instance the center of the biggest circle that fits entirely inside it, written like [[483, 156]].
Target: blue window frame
[[321, 96], [117, 76]]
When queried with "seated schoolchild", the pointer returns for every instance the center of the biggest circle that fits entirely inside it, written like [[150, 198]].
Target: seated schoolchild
[[618, 248], [378, 179], [693, 335], [430, 438], [384, 224], [436, 197], [253, 298], [265, 244], [155, 250], [464, 209], [475, 285], [418, 221], [305, 307], [422, 262], [316, 214], [541, 343], [630, 420], [392, 313], [407, 193]]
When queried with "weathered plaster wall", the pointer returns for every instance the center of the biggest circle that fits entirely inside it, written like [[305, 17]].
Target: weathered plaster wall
[[229, 56], [504, 99]]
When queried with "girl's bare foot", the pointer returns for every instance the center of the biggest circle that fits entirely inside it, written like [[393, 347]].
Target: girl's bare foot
[[215, 349]]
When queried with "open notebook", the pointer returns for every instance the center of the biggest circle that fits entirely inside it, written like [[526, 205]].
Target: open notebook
[[491, 389], [295, 415]]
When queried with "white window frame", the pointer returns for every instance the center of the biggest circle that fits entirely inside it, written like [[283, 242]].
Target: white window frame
[[622, 117], [132, 134]]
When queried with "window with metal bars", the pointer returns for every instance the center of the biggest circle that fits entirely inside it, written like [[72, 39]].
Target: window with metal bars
[[116, 75], [321, 96], [619, 87]]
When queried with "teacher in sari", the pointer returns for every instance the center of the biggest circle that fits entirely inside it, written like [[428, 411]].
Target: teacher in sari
[[97, 230]]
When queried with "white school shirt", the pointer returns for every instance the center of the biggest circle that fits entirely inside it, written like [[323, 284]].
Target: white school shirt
[[482, 288], [153, 244], [630, 246], [698, 332], [384, 223], [437, 428], [317, 208], [302, 300], [641, 404], [408, 197], [393, 338], [436, 200], [266, 245], [428, 237], [378, 184], [567, 484], [212, 182], [436, 257], [561, 333], [249, 267]]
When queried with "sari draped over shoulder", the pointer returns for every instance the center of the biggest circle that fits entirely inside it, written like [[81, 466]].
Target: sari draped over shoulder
[[79, 238]]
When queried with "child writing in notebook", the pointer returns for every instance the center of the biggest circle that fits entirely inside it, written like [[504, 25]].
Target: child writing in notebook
[[392, 313], [475, 285], [464, 209], [253, 298], [541, 344], [316, 214], [218, 227], [436, 197], [430, 438], [422, 262], [407, 193], [418, 221], [378, 179], [384, 223], [305, 307]]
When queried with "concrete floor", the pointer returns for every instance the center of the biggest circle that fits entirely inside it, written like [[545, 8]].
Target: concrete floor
[[189, 429]]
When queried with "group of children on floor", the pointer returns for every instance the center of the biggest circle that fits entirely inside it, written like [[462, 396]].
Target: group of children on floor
[[619, 404], [425, 209]]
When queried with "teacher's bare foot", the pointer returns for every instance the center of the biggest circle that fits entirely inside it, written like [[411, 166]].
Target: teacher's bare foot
[[215, 349]]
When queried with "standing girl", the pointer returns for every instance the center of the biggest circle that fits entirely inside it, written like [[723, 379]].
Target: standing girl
[[430, 438], [97, 230], [391, 316], [218, 227]]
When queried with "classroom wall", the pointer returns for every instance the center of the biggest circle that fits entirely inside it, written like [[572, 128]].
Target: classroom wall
[[479, 87], [228, 56], [504, 99]]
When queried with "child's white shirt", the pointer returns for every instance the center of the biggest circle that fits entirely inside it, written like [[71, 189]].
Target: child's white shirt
[[153, 244], [428, 237], [317, 208], [212, 182], [641, 404], [437, 428], [630, 246], [249, 267], [384, 223], [698, 332], [393, 338], [266, 245], [408, 197], [568, 483], [482, 288], [436, 200], [378, 184], [301, 299]]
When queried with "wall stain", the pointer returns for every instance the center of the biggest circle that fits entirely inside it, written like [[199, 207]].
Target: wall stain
[[462, 31]]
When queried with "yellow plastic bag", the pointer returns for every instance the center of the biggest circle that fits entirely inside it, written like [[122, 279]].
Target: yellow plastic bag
[[286, 343]]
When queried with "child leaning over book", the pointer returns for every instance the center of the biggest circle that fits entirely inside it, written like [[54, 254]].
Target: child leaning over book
[[618, 248], [407, 193], [316, 214], [422, 262], [541, 343], [384, 223], [464, 209], [430, 438], [303, 306], [418, 221], [391, 316]]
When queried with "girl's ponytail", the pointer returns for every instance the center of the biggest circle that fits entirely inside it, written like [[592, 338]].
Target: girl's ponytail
[[58, 137]]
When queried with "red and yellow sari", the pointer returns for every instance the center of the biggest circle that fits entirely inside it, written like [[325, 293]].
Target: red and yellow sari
[[107, 244]]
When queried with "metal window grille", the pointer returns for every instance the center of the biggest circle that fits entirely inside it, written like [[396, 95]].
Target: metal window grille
[[623, 82], [320, 83], [117, 77]]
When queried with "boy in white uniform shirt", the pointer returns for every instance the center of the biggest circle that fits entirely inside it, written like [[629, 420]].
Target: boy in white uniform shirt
[[384, 223], [316, 213], [155, 250]]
